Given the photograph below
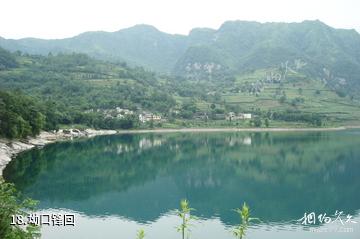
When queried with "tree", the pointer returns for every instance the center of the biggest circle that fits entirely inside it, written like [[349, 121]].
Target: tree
[[7, 60], [20, 116], [10, 205], [283, 98], [267, 123], [36, 121], [257, 122], [340, 92]]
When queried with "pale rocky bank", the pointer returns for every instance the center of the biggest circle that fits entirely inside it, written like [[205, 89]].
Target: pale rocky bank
[[10, 148]]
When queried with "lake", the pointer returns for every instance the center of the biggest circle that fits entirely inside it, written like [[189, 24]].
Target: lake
[[115, 185]]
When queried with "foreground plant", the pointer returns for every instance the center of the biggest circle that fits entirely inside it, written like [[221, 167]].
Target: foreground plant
[[140, 234], [11, 205], [185, 214], [244, 213]]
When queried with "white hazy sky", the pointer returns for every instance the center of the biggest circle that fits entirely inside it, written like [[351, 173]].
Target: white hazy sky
[[65, 18]]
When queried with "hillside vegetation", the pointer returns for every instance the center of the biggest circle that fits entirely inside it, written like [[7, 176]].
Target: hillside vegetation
[[297, 75], [328, 54], [75, 88]]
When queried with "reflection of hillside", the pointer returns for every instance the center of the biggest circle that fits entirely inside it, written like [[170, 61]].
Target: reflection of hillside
[[281, 175], [80, 169], [281, 178]]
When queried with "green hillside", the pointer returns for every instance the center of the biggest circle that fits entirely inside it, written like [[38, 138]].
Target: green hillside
[[327, 54], [77, 90], [277, 83], [76, 80], [294, 98]]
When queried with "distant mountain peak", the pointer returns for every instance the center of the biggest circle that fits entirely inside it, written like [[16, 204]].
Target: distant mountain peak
[[140, 27]]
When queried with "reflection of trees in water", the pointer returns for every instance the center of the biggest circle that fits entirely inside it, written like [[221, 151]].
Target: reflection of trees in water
[[83, 168], [281, 175]]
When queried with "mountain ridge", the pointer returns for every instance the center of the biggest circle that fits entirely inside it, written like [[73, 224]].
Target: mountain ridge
[[237, 46]]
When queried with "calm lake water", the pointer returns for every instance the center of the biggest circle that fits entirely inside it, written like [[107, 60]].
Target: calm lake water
[[118, 184]]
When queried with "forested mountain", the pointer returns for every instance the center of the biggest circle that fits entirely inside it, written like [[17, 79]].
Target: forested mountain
[[302, 73], [332, 55], [140, 45], [73, 89]]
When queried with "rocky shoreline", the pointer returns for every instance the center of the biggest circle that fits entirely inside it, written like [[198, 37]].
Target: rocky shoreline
[[10, 148]]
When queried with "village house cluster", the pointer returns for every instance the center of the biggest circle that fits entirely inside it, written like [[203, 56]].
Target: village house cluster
[[120, 113], [112, 113], [147, 117], [241, 116]]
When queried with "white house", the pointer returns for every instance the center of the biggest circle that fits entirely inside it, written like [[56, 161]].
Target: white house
[[145, 117], [240, 116]]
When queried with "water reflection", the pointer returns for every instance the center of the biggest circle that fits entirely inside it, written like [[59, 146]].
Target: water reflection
[[142, 177]]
